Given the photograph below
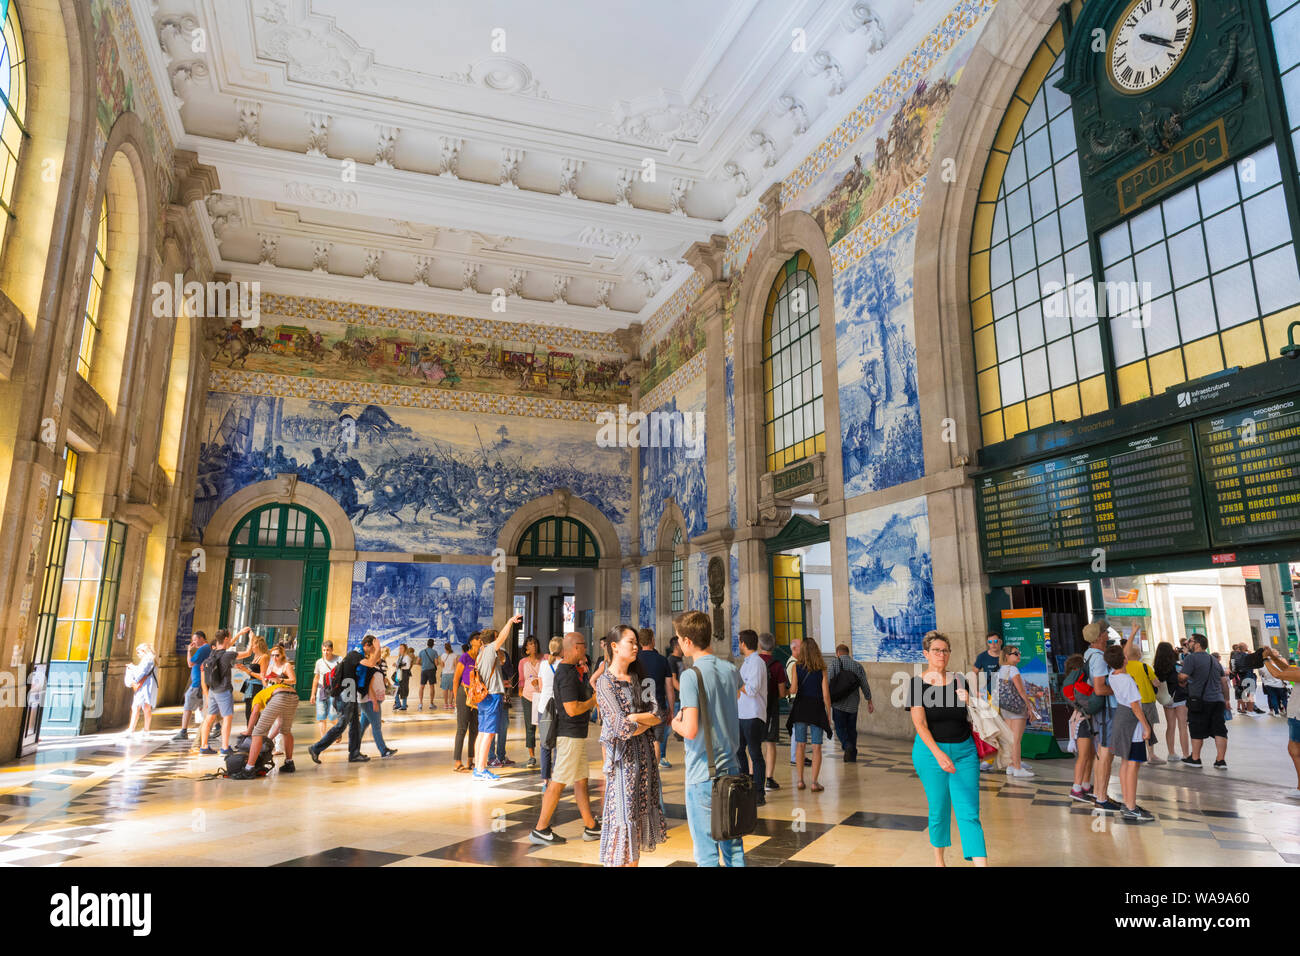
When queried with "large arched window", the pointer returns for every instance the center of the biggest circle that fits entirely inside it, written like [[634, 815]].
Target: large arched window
[[13, 90], [1069, 318], [94, 295], [793, 424]]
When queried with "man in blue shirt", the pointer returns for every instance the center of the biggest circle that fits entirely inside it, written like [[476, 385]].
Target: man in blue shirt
[[197, 653], [721, 683], [655, 668]]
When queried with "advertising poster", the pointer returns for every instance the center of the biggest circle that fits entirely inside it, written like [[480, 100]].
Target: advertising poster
[[1023, 629]]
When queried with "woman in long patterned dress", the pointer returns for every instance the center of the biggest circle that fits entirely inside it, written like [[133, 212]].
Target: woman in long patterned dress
[[632, 819]]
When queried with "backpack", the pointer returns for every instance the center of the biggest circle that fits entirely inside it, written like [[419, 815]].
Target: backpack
[[333, 680], [477, 689], [1077, 689], [843, 685], [237, 759]]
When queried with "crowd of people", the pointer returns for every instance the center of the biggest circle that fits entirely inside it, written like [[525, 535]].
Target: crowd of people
[[728, 717]]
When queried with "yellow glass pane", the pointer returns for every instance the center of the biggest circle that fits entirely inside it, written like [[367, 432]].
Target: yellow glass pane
[[990, 390], [68, 598], [1065, 402], [981, 235], [1015, 419], [1243, 346], [821, 441], [979, 269], [1040, 411], [1133, 382], [1167, 369], [1011, 123], [1275, 327], [1056, 36], [1205, 356], [1092, 395], [993, 173], [991, 428], [62, 641], [986, 348], [85, 606], [981, 312], [80, 649], [1035, 73], [778, 588], [794, 590]]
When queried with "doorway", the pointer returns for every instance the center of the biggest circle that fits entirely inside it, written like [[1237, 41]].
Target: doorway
[[799, 580], [555, 582], [277, 572]]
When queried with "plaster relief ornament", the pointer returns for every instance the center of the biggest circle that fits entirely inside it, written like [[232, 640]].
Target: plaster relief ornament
[[569, 169], [601, 237], [312, 49], [791, 106], [176, 30], [679, 187], [318, 132], [386, 145], [469, 279], [763, 143], [661, 119], [422, 266], [182, 75], [862, 17], [223, 211], [623, 187], [320, 256], [737, 175], [269, 247], [499, 74], [510, 160], [370, 270], [248, 132], [317, 194], [450, 147], [515, 287], [824, 65], [560, 289], [603, 288]]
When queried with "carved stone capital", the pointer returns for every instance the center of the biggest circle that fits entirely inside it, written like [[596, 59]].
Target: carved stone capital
[[193, 181]]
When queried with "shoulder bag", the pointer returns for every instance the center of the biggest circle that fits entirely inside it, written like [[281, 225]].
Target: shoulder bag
[[477, 689], [735, 809]]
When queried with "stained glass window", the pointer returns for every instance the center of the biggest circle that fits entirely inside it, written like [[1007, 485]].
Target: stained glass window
[[793, 423]]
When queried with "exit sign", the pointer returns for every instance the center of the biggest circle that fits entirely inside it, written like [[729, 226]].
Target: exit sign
[[1228, 557]]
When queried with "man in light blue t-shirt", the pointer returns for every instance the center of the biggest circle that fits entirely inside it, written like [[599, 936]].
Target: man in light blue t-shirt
[[721, 682]]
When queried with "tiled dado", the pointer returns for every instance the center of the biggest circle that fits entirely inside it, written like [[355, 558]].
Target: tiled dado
[[401, 396], [352, 313], [895, 214], [904, 77], [673, 383]]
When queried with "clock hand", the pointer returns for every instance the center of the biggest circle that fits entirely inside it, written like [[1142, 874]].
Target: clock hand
[[1152, 38]]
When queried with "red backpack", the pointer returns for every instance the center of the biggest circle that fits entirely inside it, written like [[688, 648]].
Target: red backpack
[[1077, 689]]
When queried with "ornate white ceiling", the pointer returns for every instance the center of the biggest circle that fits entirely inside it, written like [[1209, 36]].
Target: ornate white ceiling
[[423, 153]]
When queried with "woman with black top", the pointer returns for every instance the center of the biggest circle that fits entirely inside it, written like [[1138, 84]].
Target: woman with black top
[[1165, 667], [943, 753], [253, 665], [810, 714]]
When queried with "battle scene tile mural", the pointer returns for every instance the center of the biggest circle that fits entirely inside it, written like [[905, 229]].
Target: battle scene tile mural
[[405, 603]]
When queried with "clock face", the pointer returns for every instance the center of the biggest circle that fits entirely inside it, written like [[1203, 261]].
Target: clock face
[[1148, 42]]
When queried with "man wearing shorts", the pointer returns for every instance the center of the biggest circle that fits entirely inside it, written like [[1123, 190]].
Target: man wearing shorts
[[277, 717], [197, 654], [429, 675], [1097, 727], [574, 701], [776, 687], [327, 707], [220, 691], [1207, 702]]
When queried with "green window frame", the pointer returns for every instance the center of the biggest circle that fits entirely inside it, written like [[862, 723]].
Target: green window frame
[[94, 296], [563, 542], [677, 578], [277, 530]]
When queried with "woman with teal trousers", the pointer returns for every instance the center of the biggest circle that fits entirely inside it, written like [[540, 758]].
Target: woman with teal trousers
[[943, 753]]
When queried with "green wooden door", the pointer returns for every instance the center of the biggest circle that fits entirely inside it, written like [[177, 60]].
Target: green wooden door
[[311, 621]]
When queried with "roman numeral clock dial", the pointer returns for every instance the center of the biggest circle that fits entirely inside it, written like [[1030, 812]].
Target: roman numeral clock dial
[[1149, 42]]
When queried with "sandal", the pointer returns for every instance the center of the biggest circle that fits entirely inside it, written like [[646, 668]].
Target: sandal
[[817, 788], [460, 768], [801, 785]]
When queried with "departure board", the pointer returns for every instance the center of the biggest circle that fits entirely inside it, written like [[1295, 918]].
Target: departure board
[[1135, 496], [1251, 462]]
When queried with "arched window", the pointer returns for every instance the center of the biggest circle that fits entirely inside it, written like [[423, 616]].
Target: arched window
[[94, 295], [13, 90], [559, 541], [677, 584], [1069, 317], [793, 424], [271, 529]]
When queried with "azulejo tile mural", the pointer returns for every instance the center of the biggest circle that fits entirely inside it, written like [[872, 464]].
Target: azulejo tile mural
[[676, 472], [625, 597], [682, 341], [405, 603], [875, 350], [410, 480], [645, 608], [891, 585], [507, 364]]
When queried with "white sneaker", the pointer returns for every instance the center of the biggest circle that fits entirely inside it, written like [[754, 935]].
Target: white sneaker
[[1019, 772], [987, 767]]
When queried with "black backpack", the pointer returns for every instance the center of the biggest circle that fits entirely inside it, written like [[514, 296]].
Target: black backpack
[[844, 684], [237, 759]]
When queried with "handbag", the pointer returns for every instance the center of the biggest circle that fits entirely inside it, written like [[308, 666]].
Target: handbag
[[1163, 695], [735, 805], [1008, 700]]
